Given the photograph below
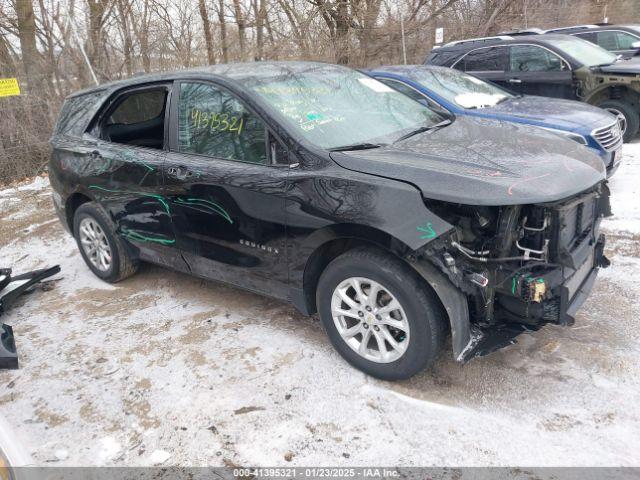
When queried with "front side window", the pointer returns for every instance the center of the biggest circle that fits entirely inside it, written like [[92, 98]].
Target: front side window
[[137, 119], [584, 52], [531, 58], [491, 59], [213, 122], [464, 90], [616, 40], [334, 106]]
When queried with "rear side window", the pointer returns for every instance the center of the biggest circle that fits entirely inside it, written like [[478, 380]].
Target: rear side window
[[531, 58], [403, 88], [137, 118], [589, 37], [77, 112], [213, 122], [493, 59], [138, 108]]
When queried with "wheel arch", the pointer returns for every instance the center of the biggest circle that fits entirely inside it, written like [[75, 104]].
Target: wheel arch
[[72, 204], [616, 91], [328, 243], [340, 240]]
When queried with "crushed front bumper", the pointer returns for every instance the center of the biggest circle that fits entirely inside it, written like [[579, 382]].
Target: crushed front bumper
[[569, 296]]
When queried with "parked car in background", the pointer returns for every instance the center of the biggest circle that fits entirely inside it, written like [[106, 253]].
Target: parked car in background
[[324, 187], [552, 65], [464, 94], [620, 39]]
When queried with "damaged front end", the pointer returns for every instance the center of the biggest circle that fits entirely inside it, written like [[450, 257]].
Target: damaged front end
[[519, 267]]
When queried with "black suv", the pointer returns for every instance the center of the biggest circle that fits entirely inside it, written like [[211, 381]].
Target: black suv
[[552, 65], [319, 185], [620, 39]]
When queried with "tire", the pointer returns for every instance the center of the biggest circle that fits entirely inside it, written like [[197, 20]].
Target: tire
[[630, 114], [420, 311], [90, 217]]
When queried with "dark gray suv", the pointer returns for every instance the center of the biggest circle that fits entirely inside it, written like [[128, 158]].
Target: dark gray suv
[[559, 66]]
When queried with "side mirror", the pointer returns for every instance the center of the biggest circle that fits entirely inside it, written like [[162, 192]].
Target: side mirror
[[636, 45]]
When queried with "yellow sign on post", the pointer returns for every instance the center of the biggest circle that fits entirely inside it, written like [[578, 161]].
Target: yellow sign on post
[[9, 87]]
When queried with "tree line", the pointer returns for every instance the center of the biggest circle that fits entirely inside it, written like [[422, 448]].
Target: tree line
[[55, 47]]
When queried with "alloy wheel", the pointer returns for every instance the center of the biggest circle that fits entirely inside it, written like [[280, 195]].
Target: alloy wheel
[[95, 244], [370, 319]]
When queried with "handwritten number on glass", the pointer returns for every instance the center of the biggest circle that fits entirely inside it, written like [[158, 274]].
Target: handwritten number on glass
[[216, 122]]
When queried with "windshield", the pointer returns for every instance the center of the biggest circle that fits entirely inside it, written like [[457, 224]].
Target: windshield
[[334, 107], [584, 52], [462, 89], [635, 28]]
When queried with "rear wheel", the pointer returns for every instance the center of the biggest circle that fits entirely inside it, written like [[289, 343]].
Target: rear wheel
[[379, 315], [629, 118], [102, 250]]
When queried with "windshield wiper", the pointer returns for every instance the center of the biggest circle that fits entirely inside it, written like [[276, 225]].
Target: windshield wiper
[[357, 146], [425, 128]]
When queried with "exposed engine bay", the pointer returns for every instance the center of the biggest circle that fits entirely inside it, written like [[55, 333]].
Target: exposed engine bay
[[521, 266]]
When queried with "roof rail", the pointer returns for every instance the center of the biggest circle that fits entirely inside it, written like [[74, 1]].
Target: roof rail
[[480, 39], [575, 27], [523, 31]]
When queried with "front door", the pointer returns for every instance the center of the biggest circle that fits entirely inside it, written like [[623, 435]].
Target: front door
[[127, 160], [225, 191], [534, 70]]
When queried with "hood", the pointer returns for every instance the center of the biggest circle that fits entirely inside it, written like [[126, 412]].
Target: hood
[[630, 65], [478, 161], [554, 112]]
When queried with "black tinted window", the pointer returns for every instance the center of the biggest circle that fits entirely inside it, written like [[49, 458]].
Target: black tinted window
[[589, 37], [531, 58], [403, 88], [139, 107], [137, 119], [213, 122], [493, 59]]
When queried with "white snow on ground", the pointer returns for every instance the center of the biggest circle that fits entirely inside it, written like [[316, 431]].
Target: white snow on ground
[[168, 369]]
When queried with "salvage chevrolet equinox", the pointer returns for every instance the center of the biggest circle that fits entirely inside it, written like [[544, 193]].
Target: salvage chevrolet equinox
[[322, 186]]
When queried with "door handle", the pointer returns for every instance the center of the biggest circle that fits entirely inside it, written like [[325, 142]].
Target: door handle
[[514, 80], [179, 172]]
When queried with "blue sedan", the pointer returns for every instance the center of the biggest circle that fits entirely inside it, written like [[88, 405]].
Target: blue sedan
[[463, 94]]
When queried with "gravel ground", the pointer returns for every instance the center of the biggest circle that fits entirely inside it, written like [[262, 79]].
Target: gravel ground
[[168, 369]]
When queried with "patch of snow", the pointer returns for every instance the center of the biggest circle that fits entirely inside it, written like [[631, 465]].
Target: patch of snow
[[625, 192], [158, 457]]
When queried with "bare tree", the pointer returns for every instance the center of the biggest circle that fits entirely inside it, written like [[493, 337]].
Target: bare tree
[[206, 25]]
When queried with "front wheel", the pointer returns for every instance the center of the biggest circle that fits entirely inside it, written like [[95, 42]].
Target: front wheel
[[379, 315], [628, 117]]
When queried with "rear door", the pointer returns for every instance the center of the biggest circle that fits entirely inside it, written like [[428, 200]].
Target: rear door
[[488, 63], [226, 181], [125, 169]]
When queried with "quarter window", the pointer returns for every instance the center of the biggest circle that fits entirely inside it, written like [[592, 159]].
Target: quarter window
[[213, 122], [530, 58], [492, 59]]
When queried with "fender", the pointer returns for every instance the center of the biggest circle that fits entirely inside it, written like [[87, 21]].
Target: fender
[[455, 304]]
